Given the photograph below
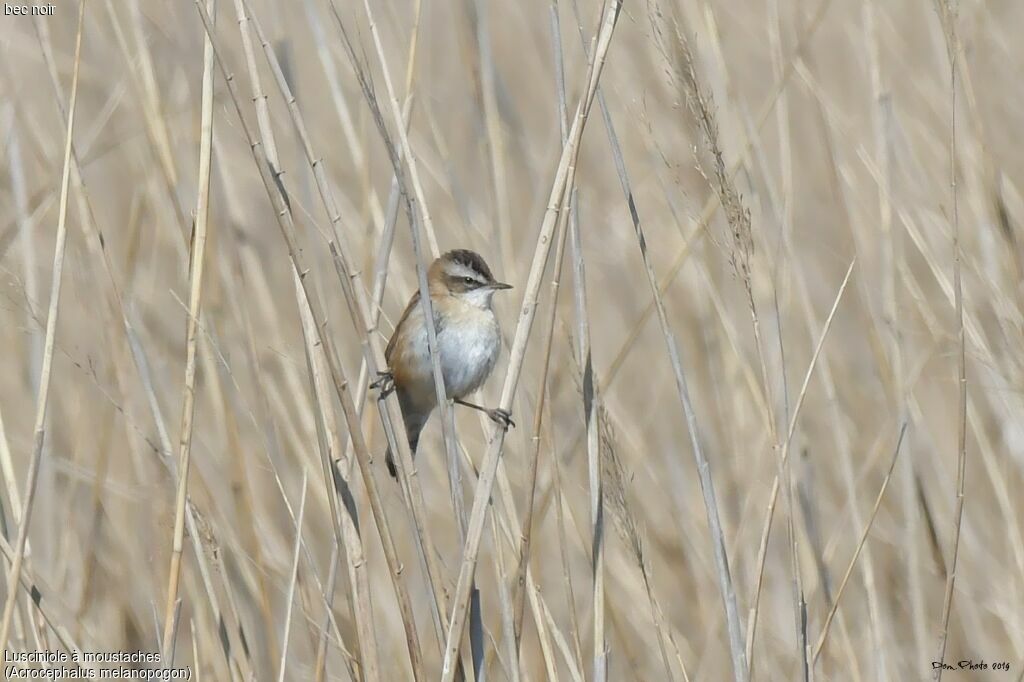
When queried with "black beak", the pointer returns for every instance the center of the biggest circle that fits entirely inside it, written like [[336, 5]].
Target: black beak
[[499, 285]]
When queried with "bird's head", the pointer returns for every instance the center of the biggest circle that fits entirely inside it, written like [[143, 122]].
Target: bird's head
[[464, 274]]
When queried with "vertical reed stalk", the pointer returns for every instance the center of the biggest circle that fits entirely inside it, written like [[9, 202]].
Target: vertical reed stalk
[[197, 258], [563, 179], [46, 370]]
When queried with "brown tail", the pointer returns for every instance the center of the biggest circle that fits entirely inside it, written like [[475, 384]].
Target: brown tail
[[415, 419], [414, 440]]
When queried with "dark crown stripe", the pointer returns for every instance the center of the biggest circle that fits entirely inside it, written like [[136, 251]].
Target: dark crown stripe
[[471, 260]]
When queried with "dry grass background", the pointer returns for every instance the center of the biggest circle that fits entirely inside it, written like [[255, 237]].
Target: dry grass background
[[825, 128]]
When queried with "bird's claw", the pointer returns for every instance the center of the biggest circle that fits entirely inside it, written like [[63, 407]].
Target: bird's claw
[[385, 382], [502, 418]]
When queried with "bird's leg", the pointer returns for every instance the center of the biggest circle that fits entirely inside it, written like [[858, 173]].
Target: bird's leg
[[385, 382], [502, 418]]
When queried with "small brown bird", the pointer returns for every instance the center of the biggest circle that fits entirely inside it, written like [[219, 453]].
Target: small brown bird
[[468, 339]]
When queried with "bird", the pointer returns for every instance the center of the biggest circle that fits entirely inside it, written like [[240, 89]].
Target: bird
[[461, 289]]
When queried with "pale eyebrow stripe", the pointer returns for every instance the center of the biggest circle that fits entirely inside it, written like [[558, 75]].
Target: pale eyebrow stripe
[[461, 270]]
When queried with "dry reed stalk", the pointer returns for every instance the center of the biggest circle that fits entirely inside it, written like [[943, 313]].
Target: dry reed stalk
[[197, 257], [591, 396], [509, 522], [543, 634], [784, 458], [548, 335], [915, 503], [345, 525], [200, 532], [708, 211], [285, 223], [242, 485], [737, 218], [948, 12], [192, 521], [683, 71], [742, 251], [713, 202], [508, 634], [391, 413], [353, 141], [882, 124], [823, 637], [625, 522], [591, 388], [446, 419], [165, 447], [46, 370], [403, 137], [146, 92], [972, 332], [563, 553], [292, 582], [51, 608], [443, 406], [390, 219], [538, 607], [10, 479], [727, 593], [840, 433], [524, 575], [155, 108], [355, 296], [786, 224], [542, 402], [575, 670], [563, 180], [24, 222], [591, 408], [237, 637], [495, 141], [93, 236]]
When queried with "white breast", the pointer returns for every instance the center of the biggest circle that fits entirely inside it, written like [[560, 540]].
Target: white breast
[[469, 346], [469, 343]]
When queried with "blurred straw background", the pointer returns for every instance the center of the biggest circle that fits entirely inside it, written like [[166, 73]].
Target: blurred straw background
[[797, 456]]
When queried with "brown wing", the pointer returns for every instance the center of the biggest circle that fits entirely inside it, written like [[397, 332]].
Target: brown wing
[[414, 301]]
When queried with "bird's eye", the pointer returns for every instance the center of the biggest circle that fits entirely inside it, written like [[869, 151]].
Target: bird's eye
[[469, 280]]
